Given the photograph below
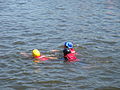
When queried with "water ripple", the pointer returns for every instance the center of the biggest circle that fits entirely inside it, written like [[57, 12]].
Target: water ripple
[[93, 27]]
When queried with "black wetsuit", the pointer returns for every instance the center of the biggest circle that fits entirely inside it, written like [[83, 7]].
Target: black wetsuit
[[65, 52]]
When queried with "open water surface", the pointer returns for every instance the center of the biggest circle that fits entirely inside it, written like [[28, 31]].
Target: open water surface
[[92, 25]]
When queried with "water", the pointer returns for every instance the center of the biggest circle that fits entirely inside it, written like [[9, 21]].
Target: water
[[92, 25]]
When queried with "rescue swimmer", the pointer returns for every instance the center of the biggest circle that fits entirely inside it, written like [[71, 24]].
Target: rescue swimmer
[[37, 56]]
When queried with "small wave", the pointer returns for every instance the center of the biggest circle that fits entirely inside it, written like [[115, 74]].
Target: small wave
[[107, 88], [19, 42]]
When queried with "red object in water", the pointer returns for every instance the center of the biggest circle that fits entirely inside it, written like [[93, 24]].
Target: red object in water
[[71, 57], [42, 58], [72, 50]]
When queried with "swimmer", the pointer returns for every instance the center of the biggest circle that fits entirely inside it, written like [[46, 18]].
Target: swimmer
[[69, 52], [37, 56]]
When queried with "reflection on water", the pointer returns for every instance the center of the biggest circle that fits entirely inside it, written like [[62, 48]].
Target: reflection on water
[[93, 27]]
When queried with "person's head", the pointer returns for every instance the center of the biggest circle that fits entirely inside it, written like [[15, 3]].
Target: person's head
[[35, 53], [68, 45]]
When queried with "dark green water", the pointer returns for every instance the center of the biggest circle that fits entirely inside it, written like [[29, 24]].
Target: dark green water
[[92, 25]]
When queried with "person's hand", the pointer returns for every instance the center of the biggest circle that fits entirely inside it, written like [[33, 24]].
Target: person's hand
[[52, 57], [55, 50], [36, 61]]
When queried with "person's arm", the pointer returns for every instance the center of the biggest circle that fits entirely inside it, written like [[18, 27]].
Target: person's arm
[[52, 57], [25, 54], [37, 60], [55, 50]]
